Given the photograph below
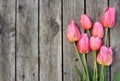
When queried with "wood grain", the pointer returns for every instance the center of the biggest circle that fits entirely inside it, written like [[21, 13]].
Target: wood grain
[[50, 40], [72, 9], [115, 39], [7, 40], [27, 40]]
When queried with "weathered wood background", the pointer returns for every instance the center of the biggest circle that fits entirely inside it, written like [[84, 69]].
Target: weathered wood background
[[33, 45]]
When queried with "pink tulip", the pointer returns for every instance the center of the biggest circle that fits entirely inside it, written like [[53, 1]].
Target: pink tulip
[[95, 43], [108, 18], [72, 32], [85, 22], [104, 57], [97, 30], [83, 44]]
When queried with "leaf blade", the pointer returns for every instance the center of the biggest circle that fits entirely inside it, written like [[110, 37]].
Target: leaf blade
[[117, 75], [77, 71]]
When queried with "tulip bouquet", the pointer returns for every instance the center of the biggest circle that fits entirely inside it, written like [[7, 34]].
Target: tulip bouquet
[[92, 41]]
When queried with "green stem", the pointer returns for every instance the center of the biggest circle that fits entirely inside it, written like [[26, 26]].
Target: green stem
[[79, 58], [105, 75], [106, 35], [95, 66], [87, 74], [88, 31], [102, 74], [105, 42]]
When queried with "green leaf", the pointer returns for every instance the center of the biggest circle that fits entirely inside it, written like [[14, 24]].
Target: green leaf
[[77, 71], [117, 75]]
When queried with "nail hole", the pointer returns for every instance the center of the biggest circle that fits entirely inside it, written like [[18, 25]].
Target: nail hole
[[23, 76], [76, 59], [33, 74], [20, 7]]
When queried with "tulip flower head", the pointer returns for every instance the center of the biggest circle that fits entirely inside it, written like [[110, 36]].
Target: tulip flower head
[[83, 44], [72, 32], [97, 30], [108, 18], [104, 57], [85, 22], [95, 43]]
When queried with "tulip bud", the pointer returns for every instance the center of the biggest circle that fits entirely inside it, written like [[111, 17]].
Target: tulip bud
[[85, 22], [83, 44], [72, 32], [95, 43], [108, 18], [104, 57], [97, 30]]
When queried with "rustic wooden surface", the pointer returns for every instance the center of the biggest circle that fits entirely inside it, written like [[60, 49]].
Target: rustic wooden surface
[[33, 45], [27, 40], [7, 40], [50, 40]]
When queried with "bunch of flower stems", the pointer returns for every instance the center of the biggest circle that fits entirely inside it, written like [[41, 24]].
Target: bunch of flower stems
[[83, 63]]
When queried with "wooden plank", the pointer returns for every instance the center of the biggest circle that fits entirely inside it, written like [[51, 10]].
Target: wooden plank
[[27, 40], [50, 40], [7, 40], [95, 9], [115, 39], [72, 9]]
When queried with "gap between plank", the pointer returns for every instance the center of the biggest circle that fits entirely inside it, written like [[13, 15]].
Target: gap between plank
[[62, 39], [38, 40], [84, 6], [109, 45], [15, 40], [109, 68]]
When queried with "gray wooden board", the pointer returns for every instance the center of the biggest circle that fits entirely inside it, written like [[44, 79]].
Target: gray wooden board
[[50, 40], [27, 40], [7, 40], [115, 39], [95, 9], [72, 9]]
